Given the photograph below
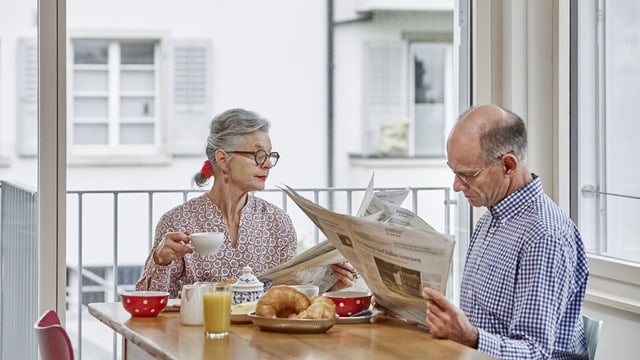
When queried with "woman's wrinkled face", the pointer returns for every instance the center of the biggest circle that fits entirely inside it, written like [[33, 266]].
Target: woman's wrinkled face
[[244, 173]]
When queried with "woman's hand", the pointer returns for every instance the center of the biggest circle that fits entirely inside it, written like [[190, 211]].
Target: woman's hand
[[172, 247], [346, 274]]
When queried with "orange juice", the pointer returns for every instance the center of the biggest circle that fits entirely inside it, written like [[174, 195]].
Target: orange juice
[[216, 311]]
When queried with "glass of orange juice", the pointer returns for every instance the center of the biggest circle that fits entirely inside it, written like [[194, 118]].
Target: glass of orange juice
[[216, 302]]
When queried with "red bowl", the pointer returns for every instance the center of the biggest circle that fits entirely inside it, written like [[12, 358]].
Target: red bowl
[[144, 303], [349, 302]]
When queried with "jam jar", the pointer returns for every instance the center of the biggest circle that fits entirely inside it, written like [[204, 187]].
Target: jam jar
[[248, 288]]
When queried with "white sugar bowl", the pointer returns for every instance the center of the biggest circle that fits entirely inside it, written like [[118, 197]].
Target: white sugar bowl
[[248, 288]]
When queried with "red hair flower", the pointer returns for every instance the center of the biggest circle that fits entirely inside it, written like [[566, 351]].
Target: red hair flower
[[207, 169]]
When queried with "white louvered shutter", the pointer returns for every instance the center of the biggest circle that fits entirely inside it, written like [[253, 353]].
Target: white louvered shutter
[[384, 89], [27, 99], [190, 111]]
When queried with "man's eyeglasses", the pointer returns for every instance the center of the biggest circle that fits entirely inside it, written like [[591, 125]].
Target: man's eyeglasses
[[470, 177], [260, 156]]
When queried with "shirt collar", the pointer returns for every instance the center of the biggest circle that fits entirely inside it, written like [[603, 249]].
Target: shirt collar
[[518, 200]]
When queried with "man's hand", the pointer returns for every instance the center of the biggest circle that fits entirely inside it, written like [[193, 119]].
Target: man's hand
[[446, 321]]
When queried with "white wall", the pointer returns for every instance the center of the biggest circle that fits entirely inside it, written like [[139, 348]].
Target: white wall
[[261, 61]]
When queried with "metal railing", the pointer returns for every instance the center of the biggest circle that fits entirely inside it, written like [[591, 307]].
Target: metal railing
[[19, 271], [110, 233]]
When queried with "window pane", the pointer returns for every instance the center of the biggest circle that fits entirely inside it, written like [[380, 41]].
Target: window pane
[[23, 291], [84, 80], [90, 52], [429, 72], [608, 203], [622, 127], [90, 134], [429, 67], [90, 107], [141, 134], [136, 80], [429, 129], [136, 107], [136, 53]]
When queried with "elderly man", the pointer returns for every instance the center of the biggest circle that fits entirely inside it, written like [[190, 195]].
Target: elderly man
[[526, 271]]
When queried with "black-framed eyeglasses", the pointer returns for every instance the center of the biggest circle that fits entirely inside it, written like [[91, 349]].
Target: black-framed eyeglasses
[[260, 156]]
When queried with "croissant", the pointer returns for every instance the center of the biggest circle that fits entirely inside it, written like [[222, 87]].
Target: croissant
[[320, 308], [281, 301]]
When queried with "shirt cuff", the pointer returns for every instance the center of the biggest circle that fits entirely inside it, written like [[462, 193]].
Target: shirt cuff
[[488, 343]]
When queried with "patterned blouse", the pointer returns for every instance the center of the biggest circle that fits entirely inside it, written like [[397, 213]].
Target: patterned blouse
[[266, 238], [524, 279]]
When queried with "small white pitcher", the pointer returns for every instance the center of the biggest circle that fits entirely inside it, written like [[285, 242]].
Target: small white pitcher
[[191, 305]]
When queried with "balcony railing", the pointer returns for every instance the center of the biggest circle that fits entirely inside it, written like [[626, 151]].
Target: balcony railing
[[110, 233]]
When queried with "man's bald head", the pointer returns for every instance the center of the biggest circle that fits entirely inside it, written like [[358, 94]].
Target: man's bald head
[[491, 129]]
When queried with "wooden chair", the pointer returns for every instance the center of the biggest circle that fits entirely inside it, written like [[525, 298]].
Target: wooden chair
[[53, 339], [592, 328]]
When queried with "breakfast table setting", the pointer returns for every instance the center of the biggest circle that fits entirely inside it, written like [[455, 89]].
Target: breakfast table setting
[[152, 326], [164, 337], [247, 318]]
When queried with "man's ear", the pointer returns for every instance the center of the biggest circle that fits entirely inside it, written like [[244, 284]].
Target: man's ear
[[510, 163]]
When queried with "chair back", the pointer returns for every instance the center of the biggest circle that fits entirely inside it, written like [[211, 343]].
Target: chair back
[[53, 339], [592, 328]]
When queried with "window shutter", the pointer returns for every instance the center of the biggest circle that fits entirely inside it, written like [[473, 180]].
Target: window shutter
[[190, 96], [384, 89], [27, 99]]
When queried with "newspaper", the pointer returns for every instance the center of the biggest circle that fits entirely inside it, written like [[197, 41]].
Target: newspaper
[[309, 267], [395, 251]]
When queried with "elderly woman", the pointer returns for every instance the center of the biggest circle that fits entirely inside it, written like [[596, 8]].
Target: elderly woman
[[257, 233]]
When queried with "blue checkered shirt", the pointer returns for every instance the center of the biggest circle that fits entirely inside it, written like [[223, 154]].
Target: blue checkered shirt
[[524, 279]]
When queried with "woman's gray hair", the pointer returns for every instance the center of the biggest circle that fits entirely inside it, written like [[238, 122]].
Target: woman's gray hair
[[226, 132], [510, 136]]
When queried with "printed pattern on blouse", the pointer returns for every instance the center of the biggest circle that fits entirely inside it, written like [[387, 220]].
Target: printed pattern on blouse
[[266, 238], [524, 279]]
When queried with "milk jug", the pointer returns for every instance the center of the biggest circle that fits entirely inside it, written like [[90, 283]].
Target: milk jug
[[191, 305]]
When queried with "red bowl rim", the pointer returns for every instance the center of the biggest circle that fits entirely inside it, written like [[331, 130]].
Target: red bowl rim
[[347, 294], [144, 294]]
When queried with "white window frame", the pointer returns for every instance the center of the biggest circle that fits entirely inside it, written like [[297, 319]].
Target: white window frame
[[114, 152], [613, 282]]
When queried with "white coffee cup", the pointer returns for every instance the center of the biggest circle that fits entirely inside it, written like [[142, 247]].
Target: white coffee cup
[[206, 243], [307, 289]]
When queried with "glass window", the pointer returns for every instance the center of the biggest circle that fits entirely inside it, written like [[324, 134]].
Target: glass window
[[90, 52], [114, 93], [407, 88], [607, 78], [432, 90]]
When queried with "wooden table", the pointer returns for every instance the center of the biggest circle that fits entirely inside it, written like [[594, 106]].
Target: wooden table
[[163, 337]]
